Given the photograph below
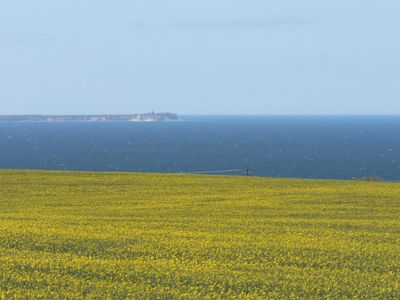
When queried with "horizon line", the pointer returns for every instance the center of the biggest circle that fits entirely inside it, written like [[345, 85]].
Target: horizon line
[[200, 114]]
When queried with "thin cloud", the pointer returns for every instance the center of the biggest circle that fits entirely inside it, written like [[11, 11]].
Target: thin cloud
[[243, 24], [25, 38], [139, 24]]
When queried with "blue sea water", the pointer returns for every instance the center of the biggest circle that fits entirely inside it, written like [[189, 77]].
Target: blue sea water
[[341, 147]]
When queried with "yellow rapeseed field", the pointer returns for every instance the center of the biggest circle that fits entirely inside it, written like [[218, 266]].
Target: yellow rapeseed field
[[139, 236]]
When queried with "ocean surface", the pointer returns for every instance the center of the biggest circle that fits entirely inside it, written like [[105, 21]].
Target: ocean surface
[[340, 147]]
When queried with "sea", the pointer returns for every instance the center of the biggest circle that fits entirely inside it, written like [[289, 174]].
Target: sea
[[336, 147]]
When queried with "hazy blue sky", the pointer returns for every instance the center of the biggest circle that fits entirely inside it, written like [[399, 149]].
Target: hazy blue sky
[[209, 56]]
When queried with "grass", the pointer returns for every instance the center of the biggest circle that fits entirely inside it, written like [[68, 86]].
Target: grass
[[113, 235]]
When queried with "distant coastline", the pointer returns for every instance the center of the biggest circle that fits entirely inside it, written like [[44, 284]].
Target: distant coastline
[[147, 117]]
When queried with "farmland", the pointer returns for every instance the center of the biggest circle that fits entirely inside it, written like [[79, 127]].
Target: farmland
[[114, 235]]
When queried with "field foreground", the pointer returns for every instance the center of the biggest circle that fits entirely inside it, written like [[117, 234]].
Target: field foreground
[[103, 235]]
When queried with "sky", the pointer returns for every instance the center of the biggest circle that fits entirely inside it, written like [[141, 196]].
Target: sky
[[200, 57]]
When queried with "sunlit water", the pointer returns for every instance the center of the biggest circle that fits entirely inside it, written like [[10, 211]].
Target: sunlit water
[[312, 147]]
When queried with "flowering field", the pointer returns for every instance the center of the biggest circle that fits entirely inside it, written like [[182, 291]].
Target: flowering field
[[102, 235]]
